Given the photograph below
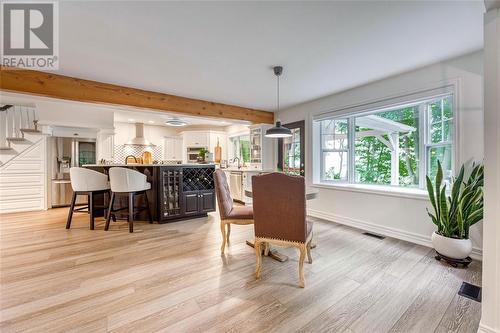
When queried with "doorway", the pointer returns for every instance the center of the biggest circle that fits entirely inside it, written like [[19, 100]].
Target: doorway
[[291, 151]]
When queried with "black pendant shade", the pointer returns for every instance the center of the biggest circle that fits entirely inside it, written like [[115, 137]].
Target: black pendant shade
[[278, 131]]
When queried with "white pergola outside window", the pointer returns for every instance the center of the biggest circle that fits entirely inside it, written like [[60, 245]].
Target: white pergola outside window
[[412, 136]]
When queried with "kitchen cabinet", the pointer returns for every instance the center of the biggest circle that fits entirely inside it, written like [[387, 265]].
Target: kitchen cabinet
[[105, 145], [177, 192], [205, 139], [262, 149], [195, 139], [199, 202], [172, 149]]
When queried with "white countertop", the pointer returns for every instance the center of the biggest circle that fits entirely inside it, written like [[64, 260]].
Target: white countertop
[[233, 169], [145, 165]]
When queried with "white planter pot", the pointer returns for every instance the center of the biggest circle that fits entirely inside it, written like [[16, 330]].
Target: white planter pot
[[452, 247]]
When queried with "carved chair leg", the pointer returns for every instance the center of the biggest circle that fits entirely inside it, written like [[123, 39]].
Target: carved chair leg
[[309, 257], [228, 232], [266, 249], [258, 254], [302, 249], [224, 238]]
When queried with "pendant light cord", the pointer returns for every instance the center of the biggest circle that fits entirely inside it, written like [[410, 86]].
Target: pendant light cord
[[278, 92]]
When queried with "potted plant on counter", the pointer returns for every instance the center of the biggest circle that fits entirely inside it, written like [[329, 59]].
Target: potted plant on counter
[[202, 155], [455, 212]]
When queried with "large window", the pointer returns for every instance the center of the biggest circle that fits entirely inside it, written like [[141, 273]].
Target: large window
[[240, 147], [396, 146]]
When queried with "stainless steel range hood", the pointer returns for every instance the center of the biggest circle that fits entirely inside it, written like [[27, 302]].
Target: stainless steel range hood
[[139, 139]]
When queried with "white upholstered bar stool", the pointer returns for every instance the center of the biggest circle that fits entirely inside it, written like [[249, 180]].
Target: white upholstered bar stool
[[129, 182], [86, 182]]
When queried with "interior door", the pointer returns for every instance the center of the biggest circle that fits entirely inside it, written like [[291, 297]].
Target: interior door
[[291, 151]]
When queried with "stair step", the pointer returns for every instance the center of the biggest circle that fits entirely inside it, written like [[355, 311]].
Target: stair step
[[30, 130], [16, 139], [6, 149]]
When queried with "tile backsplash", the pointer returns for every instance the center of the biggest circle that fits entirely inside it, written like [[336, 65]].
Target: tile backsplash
[[122, 151]]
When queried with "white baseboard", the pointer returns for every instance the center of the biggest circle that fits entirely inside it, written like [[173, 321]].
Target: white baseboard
[[383, 230], [486, 329]]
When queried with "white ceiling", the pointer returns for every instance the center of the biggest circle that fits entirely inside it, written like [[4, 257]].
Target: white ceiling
[[159, 118], [223, 51]]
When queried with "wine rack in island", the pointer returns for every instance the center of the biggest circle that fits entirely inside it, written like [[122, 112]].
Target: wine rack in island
[[186, 191], [178, 192], [171, 183]]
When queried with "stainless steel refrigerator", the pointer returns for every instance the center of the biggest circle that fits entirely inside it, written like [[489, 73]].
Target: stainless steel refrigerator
[[64, 154]]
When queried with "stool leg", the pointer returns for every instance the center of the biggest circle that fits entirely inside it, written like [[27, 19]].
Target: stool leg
[[110, 210], [131, 212], [71, 208], [91, 210], [149, 209]]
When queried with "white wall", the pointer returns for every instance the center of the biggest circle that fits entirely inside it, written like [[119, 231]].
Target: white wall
[[126, 131], [405, 218], [490, 319], [63, 113], [23, 179]]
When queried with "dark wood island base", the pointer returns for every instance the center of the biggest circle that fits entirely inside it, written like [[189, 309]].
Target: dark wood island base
[[178, 192]]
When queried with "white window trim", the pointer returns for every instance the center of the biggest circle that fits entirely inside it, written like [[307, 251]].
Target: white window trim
[[450, 87]]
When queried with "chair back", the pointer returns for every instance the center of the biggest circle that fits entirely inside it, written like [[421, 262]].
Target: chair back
[[279, 207], [127, 180], [224, 199], [84, 180]]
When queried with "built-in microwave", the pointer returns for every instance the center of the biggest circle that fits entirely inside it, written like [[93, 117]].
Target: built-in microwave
[[192, 154]]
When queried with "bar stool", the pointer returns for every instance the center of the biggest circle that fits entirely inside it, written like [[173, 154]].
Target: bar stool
[[86, 182], [130, 182]]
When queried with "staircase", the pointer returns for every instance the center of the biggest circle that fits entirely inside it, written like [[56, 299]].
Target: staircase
[[18, 130], [23, 160]]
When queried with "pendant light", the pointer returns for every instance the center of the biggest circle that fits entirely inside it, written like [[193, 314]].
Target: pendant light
[[278, 131]]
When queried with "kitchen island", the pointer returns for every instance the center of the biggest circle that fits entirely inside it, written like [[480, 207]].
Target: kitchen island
[[178, 191]]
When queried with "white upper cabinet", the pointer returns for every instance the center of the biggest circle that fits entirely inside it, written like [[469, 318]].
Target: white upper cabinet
[[172, 148], [105, 145], [206, 139], [196, 139], [262, 149]]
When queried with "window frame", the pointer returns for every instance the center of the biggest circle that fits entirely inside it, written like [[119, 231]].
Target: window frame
[[333, 150], [237, 151], [423, 99]]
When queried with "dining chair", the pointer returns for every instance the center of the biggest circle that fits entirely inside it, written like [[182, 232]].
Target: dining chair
[[279, 204], [131, 183], [229, 214], [86, 182]]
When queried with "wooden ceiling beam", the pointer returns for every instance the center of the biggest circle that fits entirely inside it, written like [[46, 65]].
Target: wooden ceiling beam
[[75, 89]]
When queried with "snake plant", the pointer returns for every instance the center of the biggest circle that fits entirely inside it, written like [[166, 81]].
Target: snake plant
[[455, 212]]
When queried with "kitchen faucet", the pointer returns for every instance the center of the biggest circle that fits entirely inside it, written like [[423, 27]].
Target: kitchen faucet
[[237, 158], [126, 158]]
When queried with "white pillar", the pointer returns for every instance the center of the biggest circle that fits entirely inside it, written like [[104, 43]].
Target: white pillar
[[394, 139], [490, 317]]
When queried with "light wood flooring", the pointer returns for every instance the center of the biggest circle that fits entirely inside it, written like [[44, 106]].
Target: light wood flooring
[[171, 278]]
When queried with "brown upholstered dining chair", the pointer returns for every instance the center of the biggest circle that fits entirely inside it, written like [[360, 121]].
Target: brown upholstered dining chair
[[228, 212], [279, 204]]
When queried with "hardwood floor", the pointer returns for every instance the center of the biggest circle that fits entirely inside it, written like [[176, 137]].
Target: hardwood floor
[[171, 278]]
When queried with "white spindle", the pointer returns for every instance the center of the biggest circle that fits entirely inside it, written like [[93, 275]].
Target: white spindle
[[17, 121], [21, 115], [33, 112], [3, 129], [9, 122], [26, 117]]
